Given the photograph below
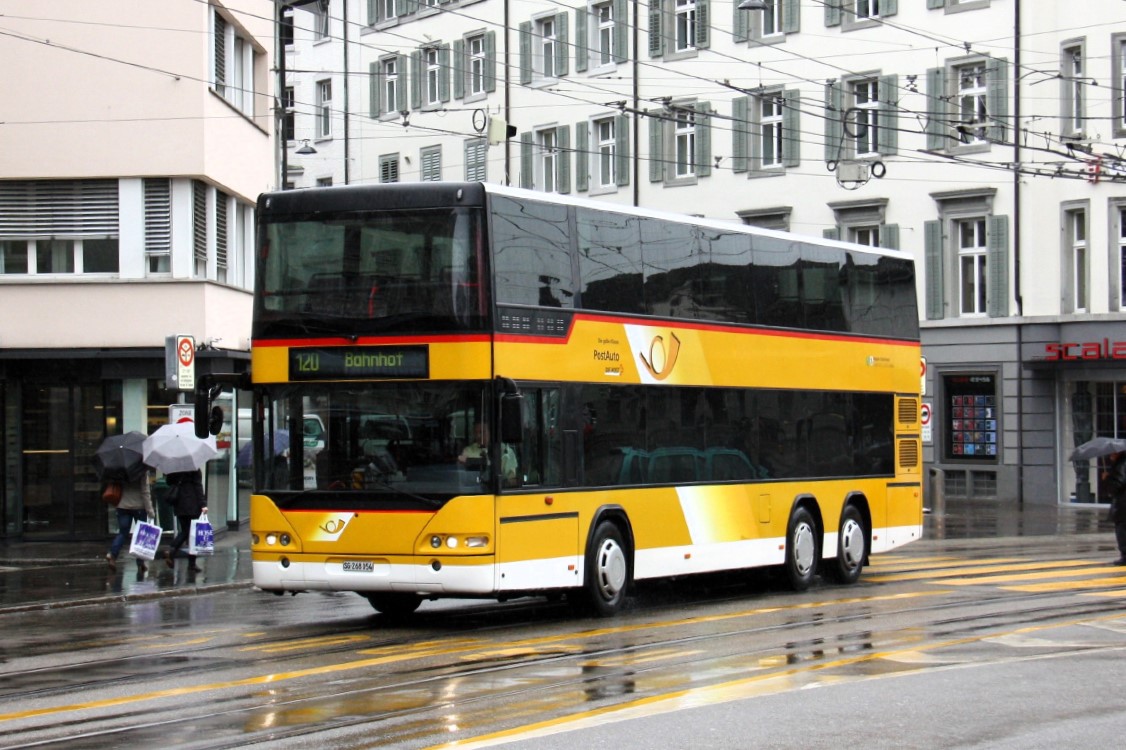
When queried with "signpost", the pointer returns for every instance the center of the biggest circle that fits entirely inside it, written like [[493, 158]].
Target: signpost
[[179, 362]]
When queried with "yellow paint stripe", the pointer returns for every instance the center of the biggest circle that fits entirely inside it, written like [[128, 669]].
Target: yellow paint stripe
[[882, 561], [963, 563], [398, 653], [748, 687], [1040, 576], [927, 575], [1099, 583], [306, 643]]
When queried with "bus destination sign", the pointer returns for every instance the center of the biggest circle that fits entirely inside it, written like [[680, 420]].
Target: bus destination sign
[[354, 362]]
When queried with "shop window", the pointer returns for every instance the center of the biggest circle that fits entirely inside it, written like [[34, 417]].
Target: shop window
[[971, 417]]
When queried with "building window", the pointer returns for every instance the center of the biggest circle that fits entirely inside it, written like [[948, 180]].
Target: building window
[[770, 130], [286, 30], [476, 164], [289, 121], [771, 22], [1118, 84], [1073, 90], [858, 14], [545, 159], [324, 109], [866, 120], [476, 70], [863, 222], [388, 87], [765, 132], [233, 59], [604, 33], [602, 153], [767, 218], [384, 10], [13, 257], [544, 48], [1076, 261], [867, 8], [321, 27], [475, 65], [433, 75], [389, 168], [862, 121], [968, 103], [684, 142], [972, 265], [158, 225], [966, 256], [430, 159], [1120, 256], [972, 110], [678, 27], [605, 145], [769, 25], [680, 143], [324, 182]]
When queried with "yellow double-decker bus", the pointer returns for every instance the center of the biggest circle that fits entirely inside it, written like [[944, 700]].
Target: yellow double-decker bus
[[525, 394]]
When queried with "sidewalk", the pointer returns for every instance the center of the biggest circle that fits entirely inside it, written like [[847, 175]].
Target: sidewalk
[[42, 575]]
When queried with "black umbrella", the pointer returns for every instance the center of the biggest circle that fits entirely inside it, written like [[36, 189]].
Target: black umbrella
[[1100, 446], [119, 457]]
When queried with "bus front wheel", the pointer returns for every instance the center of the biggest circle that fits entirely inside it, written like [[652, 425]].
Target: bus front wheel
[[607, 571], [801, 549], [394, 604], [852, 547]]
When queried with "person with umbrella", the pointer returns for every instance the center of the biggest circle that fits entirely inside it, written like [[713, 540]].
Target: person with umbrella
[[189, 502], [135, 505], [119, 460], [175, 450], [1115, 478]]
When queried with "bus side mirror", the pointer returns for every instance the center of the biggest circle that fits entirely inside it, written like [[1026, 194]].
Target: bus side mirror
[[215, 421], [511, 427]]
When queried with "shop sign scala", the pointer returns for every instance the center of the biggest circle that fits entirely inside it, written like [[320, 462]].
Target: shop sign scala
[[1078, 350]]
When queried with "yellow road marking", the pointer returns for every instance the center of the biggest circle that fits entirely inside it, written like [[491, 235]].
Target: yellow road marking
[[1040, 576], [306, 643], [925, 575], [1098, 583]]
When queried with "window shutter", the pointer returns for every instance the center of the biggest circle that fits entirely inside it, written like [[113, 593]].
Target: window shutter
[[373, 12], [526, 180], [888, 8], [740, 25], [656, 41], [834, 124], [582, 30], [621, 31], [220, 53], [702, 24], [656, 147], [791, 16], [703, 153], [888, 134], [461, 68], [934, 260], [490, 61], [582, 156], [199, 220], [59, 208], [889, 236], [375, 88], [431, 163], [416, 79], [740, 106], [832, 12], [936, 126], [791, 134], [220, 229], [832, 233], [754, 123], [621, 149], [444, 73], [562, 45], [526, 52], [475, 166], [997, 99], [563, 159], [158, 215], [997, 267], [932, 4]]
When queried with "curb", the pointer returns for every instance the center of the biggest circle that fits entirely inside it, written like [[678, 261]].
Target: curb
[[123, 598]]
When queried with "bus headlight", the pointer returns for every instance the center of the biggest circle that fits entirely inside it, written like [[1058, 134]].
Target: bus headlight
[[476, 541], [435, 541], [452, 542], [284, 539], [271, 539]]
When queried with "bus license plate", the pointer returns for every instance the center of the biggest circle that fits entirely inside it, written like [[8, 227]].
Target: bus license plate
[[359, 566]]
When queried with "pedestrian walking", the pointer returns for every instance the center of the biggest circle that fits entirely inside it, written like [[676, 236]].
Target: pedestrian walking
[[189, 502], [1115, 478], [135, 505]]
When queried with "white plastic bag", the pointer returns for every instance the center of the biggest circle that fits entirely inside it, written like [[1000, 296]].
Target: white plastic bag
[[146, 539], [201, 537]]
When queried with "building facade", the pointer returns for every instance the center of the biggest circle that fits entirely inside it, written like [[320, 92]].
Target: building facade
[[138, 137], [982, 136]]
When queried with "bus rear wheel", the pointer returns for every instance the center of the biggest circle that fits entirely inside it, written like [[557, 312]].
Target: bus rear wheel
[[852, 547], [801, 549], [607, 571], [394, 604]]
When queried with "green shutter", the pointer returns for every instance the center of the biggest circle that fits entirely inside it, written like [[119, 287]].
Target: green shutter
[[490, 61], [373, 12], [582, 156], [460, 68], [832, 12], [401, 84], [754, 122], [656, 146], [740, 106], [834, 122], [932, 4], [888, 8], [888, 134], [621, 149], [889, 236], [526, 161], [935, 257], [791, 128], [997, 99], [656, 40], [997, 267], [526, 52], [703, 154], [702, 35], [562, 44], [832, 233], [444, 73], [416, 80], [374, 89], [621, 31], [582, 50], [936, 122], [791, 16], [563, 159]]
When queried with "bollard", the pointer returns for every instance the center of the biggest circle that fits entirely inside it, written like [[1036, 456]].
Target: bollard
[[937, 492]]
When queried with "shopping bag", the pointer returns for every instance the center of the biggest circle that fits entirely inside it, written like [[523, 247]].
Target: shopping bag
[[146, 538], [201, 537]]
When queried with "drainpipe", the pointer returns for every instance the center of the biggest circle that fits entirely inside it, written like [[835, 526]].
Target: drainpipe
[[1017, 250], [347, 111], [507, 96], [279, 97], [636, 101]]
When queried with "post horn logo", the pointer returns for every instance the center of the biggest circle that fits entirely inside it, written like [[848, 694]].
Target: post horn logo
[[661, 361], [334, 527]]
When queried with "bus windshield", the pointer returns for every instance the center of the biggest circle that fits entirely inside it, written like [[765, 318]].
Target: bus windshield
[[376, 442], [370, 272]]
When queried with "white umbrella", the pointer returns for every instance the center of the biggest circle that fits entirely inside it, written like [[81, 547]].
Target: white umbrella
[[1100, 446], [174, 447]]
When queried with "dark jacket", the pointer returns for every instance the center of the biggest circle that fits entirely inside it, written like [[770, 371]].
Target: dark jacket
[[1116, 483], [185, 493]]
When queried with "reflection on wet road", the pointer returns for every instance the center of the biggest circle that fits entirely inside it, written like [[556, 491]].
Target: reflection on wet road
[[237, 667]]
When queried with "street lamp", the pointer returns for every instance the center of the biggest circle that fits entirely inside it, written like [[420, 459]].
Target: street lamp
[[305, 150]]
